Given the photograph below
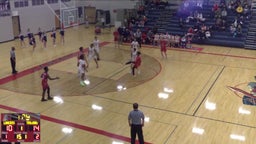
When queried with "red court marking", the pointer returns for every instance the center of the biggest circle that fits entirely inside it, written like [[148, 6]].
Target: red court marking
[[199, 51], [58, 121], [74, 125], [241, 92], [197, 48], [178, 49], [39, 67]]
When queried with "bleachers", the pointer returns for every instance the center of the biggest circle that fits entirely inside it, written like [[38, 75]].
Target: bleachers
[[170, 23]]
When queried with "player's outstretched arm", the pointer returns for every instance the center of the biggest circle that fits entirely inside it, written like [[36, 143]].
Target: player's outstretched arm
[[50, 78]]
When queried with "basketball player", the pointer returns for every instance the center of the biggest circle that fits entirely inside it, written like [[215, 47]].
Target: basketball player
[[138, 35], [33, 42], [96, 44], [82, 69], [53, 35], [62, 32], [163, 45], [134, 45], [22, 42], [81, 52], [136, 64], [133, 58], [29, 34], [45, 76], [39, 34], [44, 39], [92, 55]]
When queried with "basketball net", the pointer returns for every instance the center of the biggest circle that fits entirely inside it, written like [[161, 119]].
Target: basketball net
[[68, 13]]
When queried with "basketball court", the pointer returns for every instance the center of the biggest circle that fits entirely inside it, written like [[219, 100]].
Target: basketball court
[[186, 98]]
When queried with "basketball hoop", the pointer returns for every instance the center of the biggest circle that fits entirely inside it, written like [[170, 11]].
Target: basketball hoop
[[71, 23]]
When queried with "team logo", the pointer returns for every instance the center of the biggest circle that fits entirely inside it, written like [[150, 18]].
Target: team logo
[[249, 98]]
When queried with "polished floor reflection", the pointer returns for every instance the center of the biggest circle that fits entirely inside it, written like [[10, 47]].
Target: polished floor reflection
[[195, 96]]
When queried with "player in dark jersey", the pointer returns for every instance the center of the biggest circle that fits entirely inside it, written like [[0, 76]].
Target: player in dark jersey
[[45, 76], [29, 35], [33, 42], [44, 39], [22, 42], [40, 34], [62, 32], [53, 35]]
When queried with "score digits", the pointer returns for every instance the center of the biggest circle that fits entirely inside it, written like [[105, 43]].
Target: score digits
[[20, 127]]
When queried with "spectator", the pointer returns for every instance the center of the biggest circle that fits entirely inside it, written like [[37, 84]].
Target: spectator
[[224, 13], [143, 37], [223, 25], [183, 41], [126, 35], [239, 30], [190, 31], [156, 39], [172, 40], [177, 41], [247, 11], [150, 36], [215, 7], [181, 23], [218, 24], [208, 33], [138, 35], [200, 17]]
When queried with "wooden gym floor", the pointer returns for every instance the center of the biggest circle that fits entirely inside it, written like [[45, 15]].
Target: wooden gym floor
[[198, 107]]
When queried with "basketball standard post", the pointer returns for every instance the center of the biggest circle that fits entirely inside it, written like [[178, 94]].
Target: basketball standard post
[[52, 10]]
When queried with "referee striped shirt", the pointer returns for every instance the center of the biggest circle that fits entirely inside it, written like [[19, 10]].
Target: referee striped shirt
[[136, 117], [12, 54]]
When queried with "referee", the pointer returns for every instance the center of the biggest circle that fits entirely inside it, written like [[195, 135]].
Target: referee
[[13, 60], [136, 122]]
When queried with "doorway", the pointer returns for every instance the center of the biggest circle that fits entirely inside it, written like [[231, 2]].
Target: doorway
[[90, 14], [16, 26]]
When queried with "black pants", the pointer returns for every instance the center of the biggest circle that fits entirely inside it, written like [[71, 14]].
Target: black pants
[[13, 64], [133, 70], [136, 129], [139, 40]]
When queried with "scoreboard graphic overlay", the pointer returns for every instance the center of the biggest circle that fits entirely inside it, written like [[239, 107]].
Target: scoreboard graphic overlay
[[20, 127]]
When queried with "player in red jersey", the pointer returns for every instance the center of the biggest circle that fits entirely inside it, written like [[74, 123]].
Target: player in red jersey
[[136, 64], [163, 45], [45, 76]]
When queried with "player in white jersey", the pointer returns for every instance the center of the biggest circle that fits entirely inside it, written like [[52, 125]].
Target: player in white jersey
[[96, 44], [92, 54], [82, 69], [134, 45], [133, 57]]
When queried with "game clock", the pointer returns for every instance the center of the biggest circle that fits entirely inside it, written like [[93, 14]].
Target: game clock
[[20, 127]]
